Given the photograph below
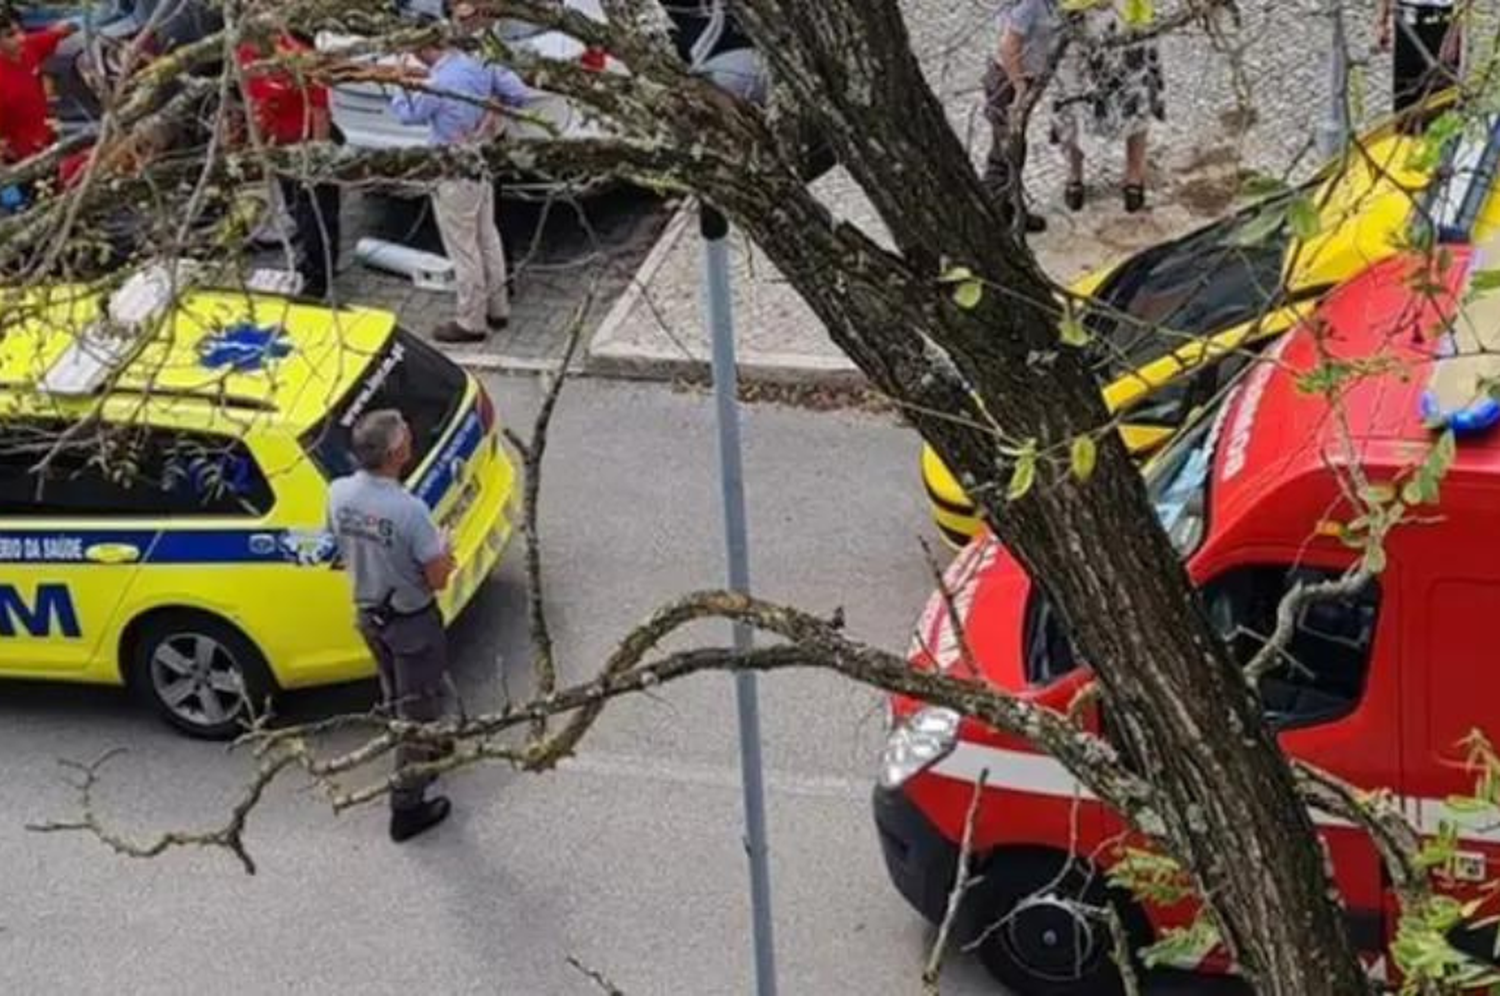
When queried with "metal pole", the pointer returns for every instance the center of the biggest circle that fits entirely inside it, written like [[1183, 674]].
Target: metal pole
[[1333, 132], [715, 229]]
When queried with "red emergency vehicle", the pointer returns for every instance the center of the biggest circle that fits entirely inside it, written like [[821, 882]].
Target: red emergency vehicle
[[1390, 680]]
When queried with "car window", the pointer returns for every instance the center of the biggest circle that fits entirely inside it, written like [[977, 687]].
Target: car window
[[1322, 671], [58, 469], [1170, 405], [1205, 282], [407, 375]]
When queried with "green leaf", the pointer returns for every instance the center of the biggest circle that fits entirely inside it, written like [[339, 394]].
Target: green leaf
[[1411, 492], [1482, 281], [1024, 474], [1375, 559], [1260, 228], [1429, 150], [1138, 13], [1302, 215], [1258, 185], [967, 295], [1444, 452], [1465, 805], [1377, 493], [956, 275], [1084, 456], [1071, 331]]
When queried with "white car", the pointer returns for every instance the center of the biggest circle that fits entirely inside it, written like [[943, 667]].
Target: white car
[[362, 111]]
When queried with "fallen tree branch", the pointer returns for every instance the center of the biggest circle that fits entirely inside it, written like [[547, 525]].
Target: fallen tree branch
[[962, 882], [532, 450]]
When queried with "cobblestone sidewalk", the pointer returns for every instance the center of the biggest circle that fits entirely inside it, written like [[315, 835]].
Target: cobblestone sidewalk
[[556, 255], [1197, 158]]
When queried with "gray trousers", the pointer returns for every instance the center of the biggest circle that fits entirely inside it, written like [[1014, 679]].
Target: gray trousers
[[411, 653], [1000, 179], [465, 214]]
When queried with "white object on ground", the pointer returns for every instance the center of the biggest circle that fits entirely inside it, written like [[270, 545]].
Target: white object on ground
[[428, 271]]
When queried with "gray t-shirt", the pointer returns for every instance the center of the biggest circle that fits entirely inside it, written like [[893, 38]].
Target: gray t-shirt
[[385, 536], [1037, 22]]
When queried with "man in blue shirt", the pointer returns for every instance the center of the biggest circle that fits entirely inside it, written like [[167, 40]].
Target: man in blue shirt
[[461, 105]]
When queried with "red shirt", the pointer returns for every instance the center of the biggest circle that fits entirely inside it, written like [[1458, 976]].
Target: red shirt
[[24, 127], [283, 105]]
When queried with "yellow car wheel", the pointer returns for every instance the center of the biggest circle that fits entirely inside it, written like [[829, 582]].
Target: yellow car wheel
[[199, 673]]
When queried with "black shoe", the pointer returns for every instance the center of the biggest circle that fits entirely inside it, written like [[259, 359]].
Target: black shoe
[[1073, 195], [498, 324], [1135, 197], [407, 823], [454, 332]]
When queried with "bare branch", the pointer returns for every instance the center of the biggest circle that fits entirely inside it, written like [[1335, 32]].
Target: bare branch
[[961, 885], [597, 977], [230, 836]]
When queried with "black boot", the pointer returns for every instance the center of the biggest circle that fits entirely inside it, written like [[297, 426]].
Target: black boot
[[407, 823]]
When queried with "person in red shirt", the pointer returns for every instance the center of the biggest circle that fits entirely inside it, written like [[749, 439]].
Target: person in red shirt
[[24, 128], [287, 109]]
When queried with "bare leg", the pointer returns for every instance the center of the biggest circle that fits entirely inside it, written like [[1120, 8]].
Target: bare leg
[[1075, 163], [1135, 159]]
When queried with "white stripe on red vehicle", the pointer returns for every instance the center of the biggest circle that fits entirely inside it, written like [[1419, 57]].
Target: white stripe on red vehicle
[[1039, 774]]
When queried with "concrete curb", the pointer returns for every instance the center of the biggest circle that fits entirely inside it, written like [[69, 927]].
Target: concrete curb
[[608, 359]]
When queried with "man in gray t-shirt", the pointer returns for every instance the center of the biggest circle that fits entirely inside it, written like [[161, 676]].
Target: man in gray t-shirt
[[1029, 31], [397, 562]]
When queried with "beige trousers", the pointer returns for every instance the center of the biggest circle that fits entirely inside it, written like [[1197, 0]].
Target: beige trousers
[[465, 213]]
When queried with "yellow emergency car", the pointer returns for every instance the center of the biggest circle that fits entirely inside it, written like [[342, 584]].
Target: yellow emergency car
[[1172, 324], [164, 464]]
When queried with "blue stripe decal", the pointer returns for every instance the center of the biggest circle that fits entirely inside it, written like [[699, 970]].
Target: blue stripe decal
[[103, 547], [451, 460]]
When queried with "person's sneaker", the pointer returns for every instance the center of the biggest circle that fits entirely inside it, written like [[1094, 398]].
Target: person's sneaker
[[499, 323], [407, 823], [454, 332]]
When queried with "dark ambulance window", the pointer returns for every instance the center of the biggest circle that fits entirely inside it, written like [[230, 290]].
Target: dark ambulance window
[[1323, 667], [407, 375], [52, 468]]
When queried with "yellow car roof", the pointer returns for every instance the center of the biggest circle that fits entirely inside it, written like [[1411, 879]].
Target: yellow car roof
[[217, 350], [1364, 209]]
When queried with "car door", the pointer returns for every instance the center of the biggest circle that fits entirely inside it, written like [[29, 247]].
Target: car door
[[1450, 711], [1334, 699], [68, 550]]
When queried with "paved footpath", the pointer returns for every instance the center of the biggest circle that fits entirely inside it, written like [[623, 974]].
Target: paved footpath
[[559, 254], [1195, 159]]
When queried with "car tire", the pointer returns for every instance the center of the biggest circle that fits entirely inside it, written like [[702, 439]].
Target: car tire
[[1033, 939], [199, 673]]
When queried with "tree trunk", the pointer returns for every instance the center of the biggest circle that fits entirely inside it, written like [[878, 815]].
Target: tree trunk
[[1177, 701]]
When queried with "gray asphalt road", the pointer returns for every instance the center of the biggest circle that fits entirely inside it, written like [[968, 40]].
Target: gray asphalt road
[[629, 859]]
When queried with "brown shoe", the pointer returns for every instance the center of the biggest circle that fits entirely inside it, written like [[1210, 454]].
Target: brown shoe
[[454, 332]]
